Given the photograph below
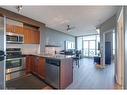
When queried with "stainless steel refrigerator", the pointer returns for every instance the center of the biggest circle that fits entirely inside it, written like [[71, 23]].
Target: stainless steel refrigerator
[[2, 51]]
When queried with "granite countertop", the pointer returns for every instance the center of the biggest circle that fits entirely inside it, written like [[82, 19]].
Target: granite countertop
[[56, 56]]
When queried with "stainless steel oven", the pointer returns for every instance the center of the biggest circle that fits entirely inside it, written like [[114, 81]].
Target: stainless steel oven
[[15, 63], [15, 68], [14, 38]]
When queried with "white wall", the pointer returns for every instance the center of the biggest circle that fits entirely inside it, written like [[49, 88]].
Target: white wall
[[53, 37]]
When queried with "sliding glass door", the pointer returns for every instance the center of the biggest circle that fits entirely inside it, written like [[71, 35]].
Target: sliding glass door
[[89, 45], [89, 48], [85, 48]]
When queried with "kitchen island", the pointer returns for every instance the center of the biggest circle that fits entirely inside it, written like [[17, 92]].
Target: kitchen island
[[55, 70]]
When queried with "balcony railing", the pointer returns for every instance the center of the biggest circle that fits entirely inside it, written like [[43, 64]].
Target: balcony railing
[[90, 52]]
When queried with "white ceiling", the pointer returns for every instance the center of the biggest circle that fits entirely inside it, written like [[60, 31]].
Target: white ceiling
[[83, 18]]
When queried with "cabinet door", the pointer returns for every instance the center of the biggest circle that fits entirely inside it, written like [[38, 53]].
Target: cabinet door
[[32, 36], [10, 28], [27, 38], [37, 37], [35, 65], [36, 62], [18, 30], [31, 65], [41, 67], [28, 64]]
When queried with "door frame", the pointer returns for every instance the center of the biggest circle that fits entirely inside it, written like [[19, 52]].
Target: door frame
[[120, 50]]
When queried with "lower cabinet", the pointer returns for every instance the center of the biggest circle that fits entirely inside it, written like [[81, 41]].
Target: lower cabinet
[[35, 65], [41, 67], [66, 73], [28, 64]]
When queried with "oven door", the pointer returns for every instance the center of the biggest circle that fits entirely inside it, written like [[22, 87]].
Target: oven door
[[14, 64], [15, 68]]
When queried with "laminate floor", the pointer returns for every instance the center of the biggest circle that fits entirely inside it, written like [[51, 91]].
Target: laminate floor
[[26, 82], [88, 76]]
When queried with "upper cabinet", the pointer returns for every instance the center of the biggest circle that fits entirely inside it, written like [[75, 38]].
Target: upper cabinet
[[14, 29], [37, 37], [30, 36], [18, 30], [27, 37], [10, 28]]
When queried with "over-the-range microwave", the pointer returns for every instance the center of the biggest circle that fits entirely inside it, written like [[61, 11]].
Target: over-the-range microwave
[[13, 38]]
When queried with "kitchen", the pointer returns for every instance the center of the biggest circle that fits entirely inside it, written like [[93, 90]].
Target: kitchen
[[30, 54], [55, 48], [41, 40]]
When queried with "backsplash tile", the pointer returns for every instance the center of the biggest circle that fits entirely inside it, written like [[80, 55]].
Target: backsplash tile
[[26, 48], [52, 50]]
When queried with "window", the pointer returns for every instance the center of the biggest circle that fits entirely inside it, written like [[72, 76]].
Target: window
[[79, 43], [89, 45]]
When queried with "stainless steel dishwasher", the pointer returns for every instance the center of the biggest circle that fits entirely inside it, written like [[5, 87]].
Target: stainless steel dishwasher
[[53, 72]]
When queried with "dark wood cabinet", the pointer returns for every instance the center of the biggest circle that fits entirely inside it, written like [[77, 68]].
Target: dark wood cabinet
[[10, 28], [26, 36], [28, 64], [66, 73], [35, 65], [14, 29], [30, 36], [18, 30], [36, 37], [41, 67]]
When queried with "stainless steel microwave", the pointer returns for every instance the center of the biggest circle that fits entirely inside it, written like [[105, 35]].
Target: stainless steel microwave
[[13, 38]]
